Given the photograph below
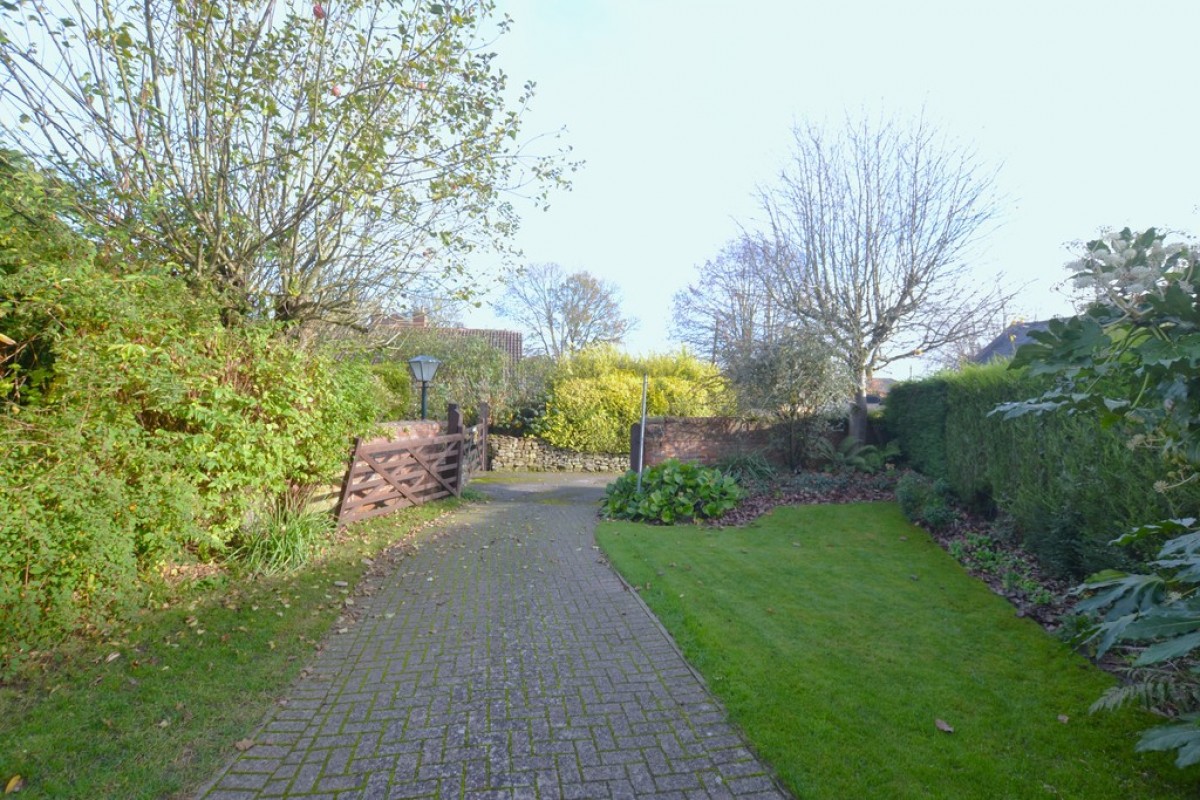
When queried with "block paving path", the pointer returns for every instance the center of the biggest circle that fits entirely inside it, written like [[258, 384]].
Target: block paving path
[[503, 659]]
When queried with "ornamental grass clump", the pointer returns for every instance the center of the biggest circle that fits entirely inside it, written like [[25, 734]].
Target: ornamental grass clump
[[672, 492]]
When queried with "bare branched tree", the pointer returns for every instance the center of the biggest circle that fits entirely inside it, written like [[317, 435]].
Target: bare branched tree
[[311, 165], [872, 226], [563, 313], [983, 332], [729, 309]]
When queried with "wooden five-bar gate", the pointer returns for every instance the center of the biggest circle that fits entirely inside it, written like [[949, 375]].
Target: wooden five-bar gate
[[385, 476]]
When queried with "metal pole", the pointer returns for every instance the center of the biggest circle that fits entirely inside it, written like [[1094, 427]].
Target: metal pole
[[642, 433], [424, 389]]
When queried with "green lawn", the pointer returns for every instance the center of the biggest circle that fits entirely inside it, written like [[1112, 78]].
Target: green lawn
[[838, 635], [187, 680]]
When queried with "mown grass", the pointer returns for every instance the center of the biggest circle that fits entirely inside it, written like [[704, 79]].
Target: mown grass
[[188, 679], [838, 635]]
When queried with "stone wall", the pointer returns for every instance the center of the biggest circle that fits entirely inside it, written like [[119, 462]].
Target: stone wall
[[533, 455]]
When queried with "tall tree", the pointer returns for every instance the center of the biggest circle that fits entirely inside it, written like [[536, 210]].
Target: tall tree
[[729, 309], [312, 165], [872, 225], [564, 313]]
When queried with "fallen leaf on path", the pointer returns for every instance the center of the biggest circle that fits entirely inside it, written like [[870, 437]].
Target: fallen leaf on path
[[1064, 719], [243, 745], [943, 726], [111, 658], [15, 784]]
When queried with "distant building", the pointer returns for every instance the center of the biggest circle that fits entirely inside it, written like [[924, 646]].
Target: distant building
[[1005, 345], [510, 342], [877, 390]]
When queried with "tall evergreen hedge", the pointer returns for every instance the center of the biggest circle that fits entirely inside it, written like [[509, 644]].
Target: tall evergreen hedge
[[1069, 485]]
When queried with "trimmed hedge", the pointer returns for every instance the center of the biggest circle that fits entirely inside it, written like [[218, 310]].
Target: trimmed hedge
[[1069, 485], [915, 414]]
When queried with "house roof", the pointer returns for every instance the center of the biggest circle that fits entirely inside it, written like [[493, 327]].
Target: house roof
[[880, 386], [510, 342], [1005, 345]]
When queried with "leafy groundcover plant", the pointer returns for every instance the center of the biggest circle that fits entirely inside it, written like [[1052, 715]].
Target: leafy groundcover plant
[[672, 492]]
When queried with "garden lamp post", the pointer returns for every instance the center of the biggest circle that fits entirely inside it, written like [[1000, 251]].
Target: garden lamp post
[[423, 369]]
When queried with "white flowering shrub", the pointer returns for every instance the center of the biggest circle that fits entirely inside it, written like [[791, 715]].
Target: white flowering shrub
[[1123, 269]]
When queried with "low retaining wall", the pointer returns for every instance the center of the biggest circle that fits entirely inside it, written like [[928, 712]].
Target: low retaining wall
[[412, 429], [707, 440], [534, 455]]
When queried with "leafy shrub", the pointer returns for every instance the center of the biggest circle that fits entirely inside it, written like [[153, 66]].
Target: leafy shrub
[[854, 456], [395, 389], [672, 492], [911, 491], [134, 426], [527, 403], [1130, 362], [472, 371], [747, 468], [937, 514], [924, 501], [284, 539], [592, 415], [594, 397]]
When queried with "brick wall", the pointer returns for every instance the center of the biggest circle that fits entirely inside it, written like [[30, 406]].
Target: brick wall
[[702, 439], [414, 429], [709, 439]]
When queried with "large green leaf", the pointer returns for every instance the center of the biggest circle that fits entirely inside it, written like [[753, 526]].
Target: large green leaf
[[1163, 621], [1123, 594], [1171, 648], [1183, 736]]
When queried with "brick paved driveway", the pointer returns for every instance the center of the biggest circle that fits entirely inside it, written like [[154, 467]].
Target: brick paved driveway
[[503, 659]]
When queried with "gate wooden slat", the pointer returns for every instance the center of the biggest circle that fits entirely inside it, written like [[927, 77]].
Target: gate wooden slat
[[399, 445], [383, 472], [386, 475], [429, 469], [362, 513]]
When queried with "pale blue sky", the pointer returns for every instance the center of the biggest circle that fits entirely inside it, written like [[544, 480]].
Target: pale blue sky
[[682, 109]]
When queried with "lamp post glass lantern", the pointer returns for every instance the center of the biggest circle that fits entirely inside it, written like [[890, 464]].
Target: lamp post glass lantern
[[423, 369]]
